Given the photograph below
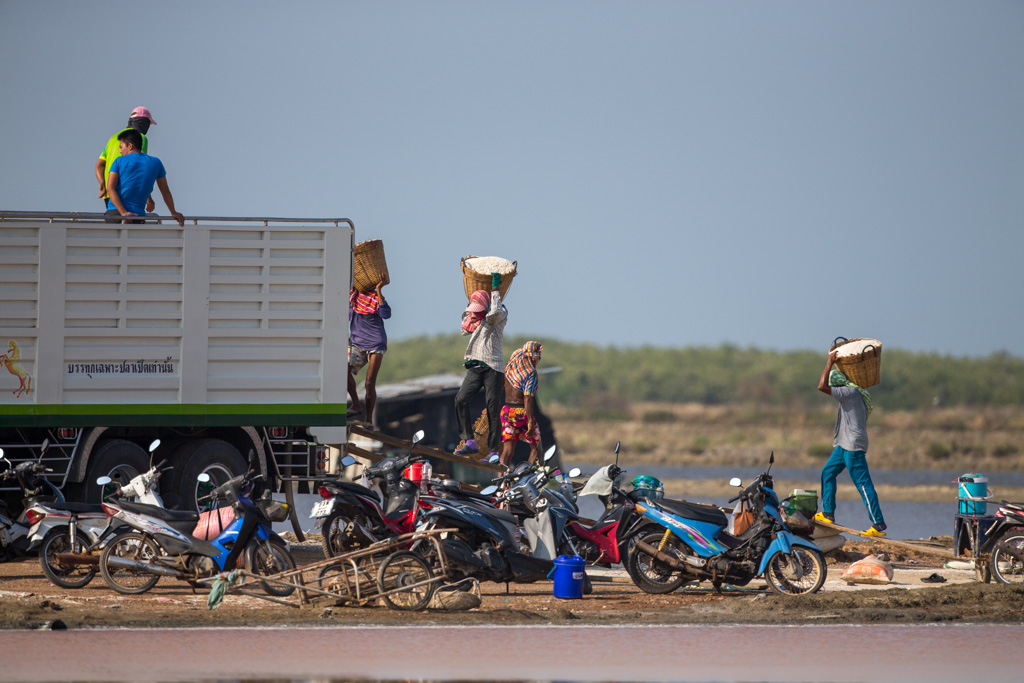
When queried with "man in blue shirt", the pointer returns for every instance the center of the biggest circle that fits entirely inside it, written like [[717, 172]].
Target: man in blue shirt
[[131, 180]]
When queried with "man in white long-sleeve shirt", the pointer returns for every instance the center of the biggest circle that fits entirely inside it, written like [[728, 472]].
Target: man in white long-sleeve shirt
[[484, 322]]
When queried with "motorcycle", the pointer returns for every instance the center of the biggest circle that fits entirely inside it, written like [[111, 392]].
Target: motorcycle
[[80, 529], [161, 542], [693, 545], [1006, 543], [355, 515], [543, 502], [36, 491], [607, 541], [487, 543]]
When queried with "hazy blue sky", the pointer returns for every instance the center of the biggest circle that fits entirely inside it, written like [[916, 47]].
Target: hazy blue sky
[[668, 173]]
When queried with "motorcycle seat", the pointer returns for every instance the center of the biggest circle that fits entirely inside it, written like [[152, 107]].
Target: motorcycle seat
[[159, 512], [698, 512], [349, 486], [77, 508], [469, 494]]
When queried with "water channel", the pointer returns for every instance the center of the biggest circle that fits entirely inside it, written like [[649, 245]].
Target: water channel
[[903, 654]]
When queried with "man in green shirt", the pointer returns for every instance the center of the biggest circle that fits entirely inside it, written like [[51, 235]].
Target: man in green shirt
[[140, 119]]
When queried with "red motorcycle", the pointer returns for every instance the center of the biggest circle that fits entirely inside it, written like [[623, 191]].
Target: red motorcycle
[[355, 516], [608, 540]]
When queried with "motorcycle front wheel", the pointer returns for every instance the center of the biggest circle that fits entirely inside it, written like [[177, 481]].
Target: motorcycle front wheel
[[1005, 567], [652, 575], [129, 546], [799, 573], [266, 562], [61, 574]]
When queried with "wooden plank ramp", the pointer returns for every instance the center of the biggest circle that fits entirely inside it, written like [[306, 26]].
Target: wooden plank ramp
[[919, 547], [406, 445]]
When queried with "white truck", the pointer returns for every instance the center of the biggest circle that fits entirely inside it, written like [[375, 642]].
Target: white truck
[[221, 338]]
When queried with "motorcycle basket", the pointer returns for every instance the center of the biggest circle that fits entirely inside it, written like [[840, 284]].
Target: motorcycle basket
[[273, 510], [646, 486]]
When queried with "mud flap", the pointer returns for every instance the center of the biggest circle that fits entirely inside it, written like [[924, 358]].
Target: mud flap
[[783, 543]]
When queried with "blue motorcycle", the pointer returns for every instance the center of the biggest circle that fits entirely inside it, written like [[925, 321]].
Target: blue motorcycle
[[162, 542], [694, 545]]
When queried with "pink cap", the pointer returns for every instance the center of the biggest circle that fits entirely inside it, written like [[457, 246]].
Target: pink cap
[[142, 113], [479, 301]]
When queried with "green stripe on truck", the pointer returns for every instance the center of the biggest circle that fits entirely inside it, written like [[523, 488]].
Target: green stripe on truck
[[172, 415]]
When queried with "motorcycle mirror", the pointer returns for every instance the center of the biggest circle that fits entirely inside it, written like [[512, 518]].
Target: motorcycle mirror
[[418, 436], [575, 472], [550, 453], [46, 444], [489, 490], [1, 454], [493, 459], [104, 480], [348, 461], [155, 445], [204, 477], [618, 444], [735, 481]]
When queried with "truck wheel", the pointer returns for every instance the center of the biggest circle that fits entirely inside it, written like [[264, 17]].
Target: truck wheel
[[119, 459], [217, 458]]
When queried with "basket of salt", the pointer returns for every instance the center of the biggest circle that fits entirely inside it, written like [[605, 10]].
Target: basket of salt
[[368, 262], [859, 359], [476, 273]]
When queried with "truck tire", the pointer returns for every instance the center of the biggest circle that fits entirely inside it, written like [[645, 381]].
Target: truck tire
[[219, 459], [119, 459]]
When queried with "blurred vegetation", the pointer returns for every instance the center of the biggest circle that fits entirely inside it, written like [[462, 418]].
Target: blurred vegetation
[[605, 381]]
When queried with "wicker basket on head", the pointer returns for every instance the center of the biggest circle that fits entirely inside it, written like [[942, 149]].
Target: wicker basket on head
[[472, 280], [864, 367], [368, 263]]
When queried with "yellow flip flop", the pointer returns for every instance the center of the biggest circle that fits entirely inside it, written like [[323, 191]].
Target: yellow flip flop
[[820, 517]]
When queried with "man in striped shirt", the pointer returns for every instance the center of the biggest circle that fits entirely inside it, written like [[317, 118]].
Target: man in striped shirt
[[518, 422]]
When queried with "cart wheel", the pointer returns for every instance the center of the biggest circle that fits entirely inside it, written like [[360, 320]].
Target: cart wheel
[[400, 570], [328, 575]]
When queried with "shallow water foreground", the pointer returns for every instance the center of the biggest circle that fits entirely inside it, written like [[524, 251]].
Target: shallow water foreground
[[543, 653]]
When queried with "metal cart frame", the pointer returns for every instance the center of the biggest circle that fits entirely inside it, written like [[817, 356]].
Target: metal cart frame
[[354, 580]]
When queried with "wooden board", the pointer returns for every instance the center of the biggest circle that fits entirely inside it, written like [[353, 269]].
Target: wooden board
[[362, 430], [942, 552]]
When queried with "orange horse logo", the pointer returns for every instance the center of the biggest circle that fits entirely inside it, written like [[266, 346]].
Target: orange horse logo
[[12, 361]]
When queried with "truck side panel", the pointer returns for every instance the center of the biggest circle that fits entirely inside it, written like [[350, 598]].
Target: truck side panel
[[229, 323]]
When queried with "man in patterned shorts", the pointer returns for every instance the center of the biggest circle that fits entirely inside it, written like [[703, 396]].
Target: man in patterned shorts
[[517, 416]]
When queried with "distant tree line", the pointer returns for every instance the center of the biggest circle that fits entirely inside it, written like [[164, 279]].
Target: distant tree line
[[593, 376]]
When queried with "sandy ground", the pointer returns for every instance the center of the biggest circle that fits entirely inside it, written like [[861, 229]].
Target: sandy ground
[[28, 600]]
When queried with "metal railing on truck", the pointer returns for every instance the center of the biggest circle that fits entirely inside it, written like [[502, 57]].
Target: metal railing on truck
[[89, 217]]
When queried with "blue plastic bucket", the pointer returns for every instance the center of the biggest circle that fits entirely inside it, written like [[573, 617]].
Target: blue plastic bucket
[[570, 572], [972, 486]]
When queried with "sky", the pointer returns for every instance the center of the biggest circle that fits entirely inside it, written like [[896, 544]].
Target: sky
[[664, 173]]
